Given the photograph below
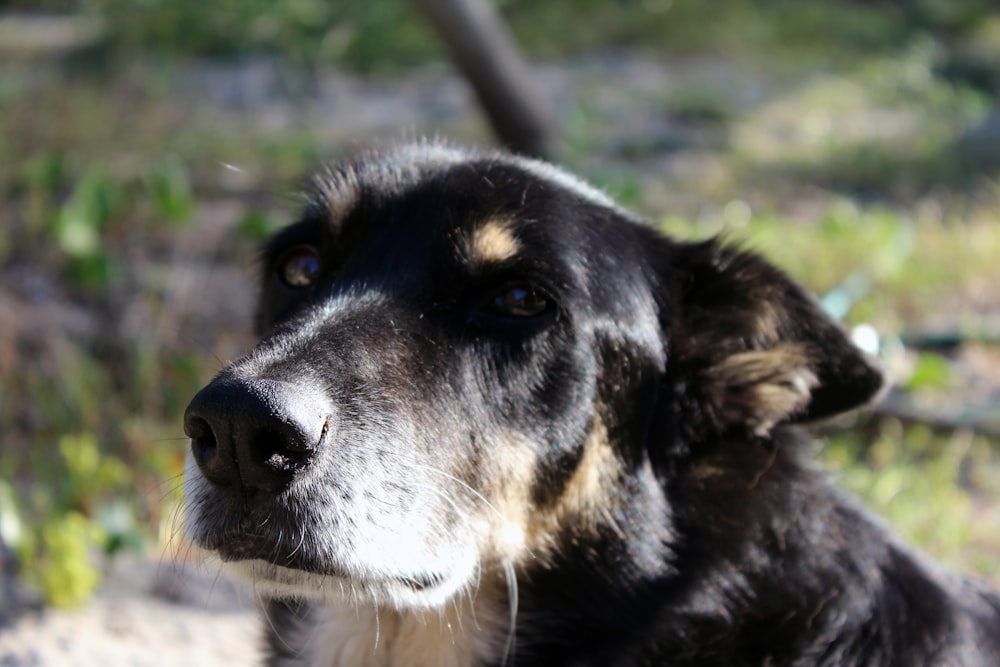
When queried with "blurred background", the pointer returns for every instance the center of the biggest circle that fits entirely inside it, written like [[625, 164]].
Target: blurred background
[[147, 146]]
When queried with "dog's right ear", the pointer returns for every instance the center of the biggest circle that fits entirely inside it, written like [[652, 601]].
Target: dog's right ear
[[753, 349]]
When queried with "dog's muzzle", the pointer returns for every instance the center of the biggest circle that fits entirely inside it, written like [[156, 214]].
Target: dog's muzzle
[[256, 435]]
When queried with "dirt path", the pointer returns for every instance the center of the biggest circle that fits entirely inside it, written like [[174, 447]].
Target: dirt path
[[145, 615]]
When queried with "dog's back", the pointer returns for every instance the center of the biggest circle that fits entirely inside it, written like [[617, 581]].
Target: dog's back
[[495, 420]]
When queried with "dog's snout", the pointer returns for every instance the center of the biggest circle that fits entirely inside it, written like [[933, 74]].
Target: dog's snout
[[256, 434]]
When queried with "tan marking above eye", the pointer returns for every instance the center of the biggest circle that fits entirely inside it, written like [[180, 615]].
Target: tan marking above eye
[[494, 241]]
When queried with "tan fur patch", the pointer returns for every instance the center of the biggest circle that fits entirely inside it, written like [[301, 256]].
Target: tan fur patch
[[534, 532], [494, 241], [586, 497], [514, 465], [771, 385]]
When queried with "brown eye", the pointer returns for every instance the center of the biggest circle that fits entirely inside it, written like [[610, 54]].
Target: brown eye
[[521, 300], [299, 267]]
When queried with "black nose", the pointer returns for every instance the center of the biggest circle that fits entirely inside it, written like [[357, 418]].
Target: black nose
[[256, 434]]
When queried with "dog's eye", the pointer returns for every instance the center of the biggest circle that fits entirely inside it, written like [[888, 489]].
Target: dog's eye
[[299, 267], [520, 300]]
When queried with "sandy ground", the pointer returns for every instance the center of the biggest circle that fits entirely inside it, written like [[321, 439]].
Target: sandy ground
[[146, 614]]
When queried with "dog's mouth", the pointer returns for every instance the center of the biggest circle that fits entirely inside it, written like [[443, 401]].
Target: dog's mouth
[[242, 548], [422, 583], [298, 573], [427, 590], [235, 548]]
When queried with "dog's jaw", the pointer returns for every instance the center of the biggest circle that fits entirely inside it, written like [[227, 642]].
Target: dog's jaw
[[398, 593]]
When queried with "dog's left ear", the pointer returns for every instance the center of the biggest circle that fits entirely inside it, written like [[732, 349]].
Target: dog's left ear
[[754, 347]]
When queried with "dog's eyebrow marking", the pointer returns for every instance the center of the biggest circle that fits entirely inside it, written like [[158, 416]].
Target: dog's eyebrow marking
[[494, 241]]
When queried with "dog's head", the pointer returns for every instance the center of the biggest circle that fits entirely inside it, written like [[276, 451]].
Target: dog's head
[[471, 361]]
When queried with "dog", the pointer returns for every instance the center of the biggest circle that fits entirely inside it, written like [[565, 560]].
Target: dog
[[494, 419]]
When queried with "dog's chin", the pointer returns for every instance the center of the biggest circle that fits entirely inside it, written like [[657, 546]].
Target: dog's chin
[[402, 591]]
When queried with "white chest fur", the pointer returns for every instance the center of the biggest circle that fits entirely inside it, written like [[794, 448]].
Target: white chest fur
[[461, 635]]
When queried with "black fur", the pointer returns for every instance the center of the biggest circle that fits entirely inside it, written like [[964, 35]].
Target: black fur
[[398, 391]]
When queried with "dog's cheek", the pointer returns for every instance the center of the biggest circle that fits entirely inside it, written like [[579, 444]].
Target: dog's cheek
[[537, 453], [531, 522], [582, 508], [507, 485]]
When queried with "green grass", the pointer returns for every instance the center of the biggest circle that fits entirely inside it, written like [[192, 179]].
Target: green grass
[[908, 264], [927, 485]]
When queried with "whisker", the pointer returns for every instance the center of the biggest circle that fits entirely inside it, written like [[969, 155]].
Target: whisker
[[512, 596], [298, 547], [378, 625], [464, 485]]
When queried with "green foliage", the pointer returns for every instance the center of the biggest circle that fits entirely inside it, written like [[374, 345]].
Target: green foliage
[[75, 477], [887, 126], [383, 35], [171, 190], [914, 477], [60, 557], [951, 15], [872, 260], [43, 177], [97, 209], [89, 474], [700, 104], [257, 226], [88, 211], [692, 26], [377, 35], [931, 371], [78, 227]]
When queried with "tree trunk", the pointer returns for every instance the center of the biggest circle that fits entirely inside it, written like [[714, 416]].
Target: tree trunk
[[485, 53]]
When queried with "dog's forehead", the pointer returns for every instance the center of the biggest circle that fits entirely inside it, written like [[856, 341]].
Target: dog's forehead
[[429, 211], [488, 189]]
